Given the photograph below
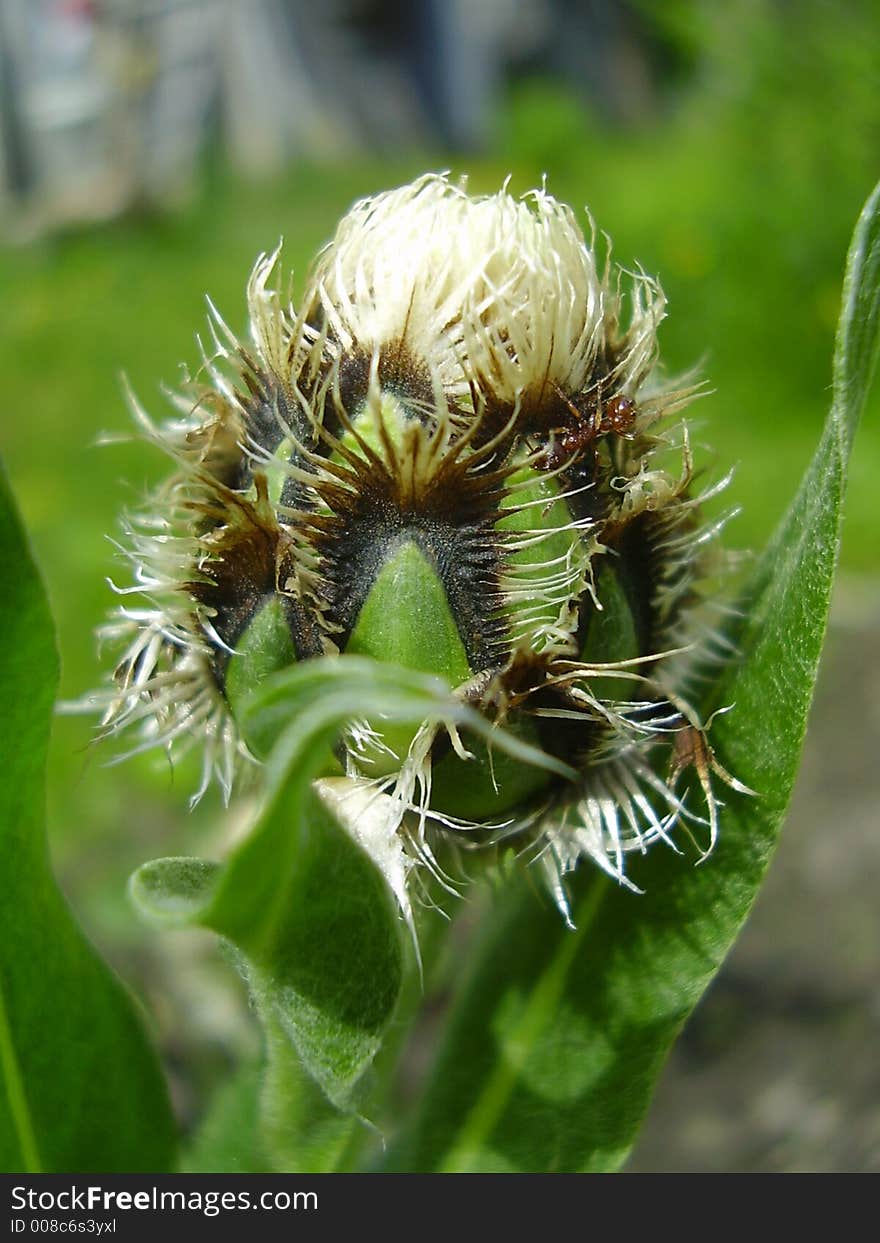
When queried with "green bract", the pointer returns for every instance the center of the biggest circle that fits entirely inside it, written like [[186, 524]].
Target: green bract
[[455, 456]]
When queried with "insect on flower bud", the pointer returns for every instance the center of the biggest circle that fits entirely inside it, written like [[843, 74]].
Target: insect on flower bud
[[455, 455]]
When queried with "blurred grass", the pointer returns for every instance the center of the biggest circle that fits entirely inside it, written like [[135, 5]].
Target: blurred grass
[[741, 195]]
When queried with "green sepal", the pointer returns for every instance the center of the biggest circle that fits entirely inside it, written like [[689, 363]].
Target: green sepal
[[491, 782], [539, 508], [611, 635], [265, 647], [406, 620]]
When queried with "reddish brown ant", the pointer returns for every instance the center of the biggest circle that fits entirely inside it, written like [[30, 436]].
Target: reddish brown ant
[[617, 415]]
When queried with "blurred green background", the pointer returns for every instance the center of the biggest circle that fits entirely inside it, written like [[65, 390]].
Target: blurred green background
[[739, 188]]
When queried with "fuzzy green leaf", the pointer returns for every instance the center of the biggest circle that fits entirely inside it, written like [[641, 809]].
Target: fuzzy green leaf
[[557, 1036], [80, 1089], [173, 893], [327, 963]]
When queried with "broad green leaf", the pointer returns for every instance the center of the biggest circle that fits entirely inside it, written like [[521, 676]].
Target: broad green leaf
[[556, 1038], [784, 608], [80, 1088]]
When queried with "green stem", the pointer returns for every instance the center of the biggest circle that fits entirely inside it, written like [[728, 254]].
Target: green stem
[[301, 1131], [518, 1043]]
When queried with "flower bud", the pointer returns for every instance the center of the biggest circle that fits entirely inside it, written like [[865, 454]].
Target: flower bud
[[457, 456]]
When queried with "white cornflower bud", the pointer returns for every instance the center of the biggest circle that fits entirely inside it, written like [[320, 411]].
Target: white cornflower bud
[[456, 455]]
